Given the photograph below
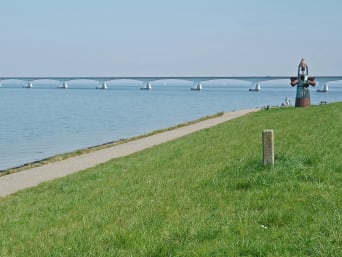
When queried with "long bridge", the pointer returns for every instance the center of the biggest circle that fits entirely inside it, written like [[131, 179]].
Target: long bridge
[[254, 80]]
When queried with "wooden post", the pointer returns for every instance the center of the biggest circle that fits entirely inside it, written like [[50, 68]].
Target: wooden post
[[268, 146]]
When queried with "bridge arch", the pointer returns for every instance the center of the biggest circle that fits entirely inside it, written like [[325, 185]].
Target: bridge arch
[[12, 82]]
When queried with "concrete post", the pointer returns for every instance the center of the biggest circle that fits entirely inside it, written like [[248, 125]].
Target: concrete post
[[268, 146]]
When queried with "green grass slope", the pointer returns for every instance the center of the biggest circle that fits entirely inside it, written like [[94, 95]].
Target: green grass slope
[[206, 194]]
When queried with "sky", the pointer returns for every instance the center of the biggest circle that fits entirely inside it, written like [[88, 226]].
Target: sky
[[169, 37]]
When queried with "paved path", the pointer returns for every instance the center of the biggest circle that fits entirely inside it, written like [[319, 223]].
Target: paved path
[[12, 183]]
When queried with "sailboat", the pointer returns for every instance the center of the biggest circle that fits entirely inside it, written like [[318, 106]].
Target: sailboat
[[325, 88]]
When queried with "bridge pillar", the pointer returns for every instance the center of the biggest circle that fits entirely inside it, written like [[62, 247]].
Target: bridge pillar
[[63, 85], [147, 86], [198, 86], [28, 84], [103, 85], [257, 86]]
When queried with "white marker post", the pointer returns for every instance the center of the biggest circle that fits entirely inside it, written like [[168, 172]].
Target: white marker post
[[268, 146]]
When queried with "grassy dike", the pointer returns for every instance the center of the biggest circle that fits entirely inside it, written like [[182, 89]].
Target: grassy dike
[[206, 194]]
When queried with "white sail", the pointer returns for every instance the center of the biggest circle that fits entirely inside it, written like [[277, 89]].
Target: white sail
[[324, 89]]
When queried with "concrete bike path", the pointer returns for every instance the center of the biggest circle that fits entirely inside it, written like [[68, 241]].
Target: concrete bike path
[[12, 183]]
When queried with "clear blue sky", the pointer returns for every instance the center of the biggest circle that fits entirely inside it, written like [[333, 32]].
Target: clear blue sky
[[169, 38]]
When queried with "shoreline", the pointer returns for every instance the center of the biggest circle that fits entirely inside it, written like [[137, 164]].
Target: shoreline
[[27, 144], [77, 152], [31, 177]]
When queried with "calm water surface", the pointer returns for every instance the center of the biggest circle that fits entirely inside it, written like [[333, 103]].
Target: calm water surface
[[44, 121]]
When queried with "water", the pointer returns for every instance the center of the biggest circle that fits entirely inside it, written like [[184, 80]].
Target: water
[[45, 121]]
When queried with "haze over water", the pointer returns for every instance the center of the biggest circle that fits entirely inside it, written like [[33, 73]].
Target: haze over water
[[44, 121]]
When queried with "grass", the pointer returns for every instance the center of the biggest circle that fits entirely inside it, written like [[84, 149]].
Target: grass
[[206, 194], [98, 147]]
